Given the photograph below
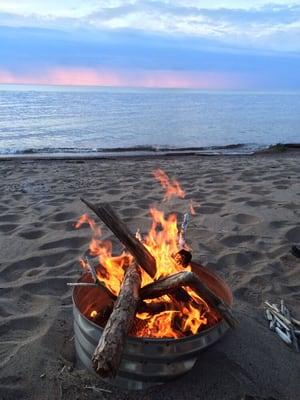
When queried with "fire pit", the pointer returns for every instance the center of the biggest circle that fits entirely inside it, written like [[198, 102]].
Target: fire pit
[[141, 317], [146, 362]]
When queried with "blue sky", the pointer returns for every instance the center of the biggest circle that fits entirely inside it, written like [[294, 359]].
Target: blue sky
[[199, 44]]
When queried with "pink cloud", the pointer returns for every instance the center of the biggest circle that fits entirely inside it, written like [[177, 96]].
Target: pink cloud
[[122, 78]]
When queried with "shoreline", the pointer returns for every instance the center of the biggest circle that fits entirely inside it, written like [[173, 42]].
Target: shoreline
[[127, 154]]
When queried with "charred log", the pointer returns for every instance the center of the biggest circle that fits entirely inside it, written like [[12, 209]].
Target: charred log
[[117, 226], [108, 353], [183, 257], [172, 283]]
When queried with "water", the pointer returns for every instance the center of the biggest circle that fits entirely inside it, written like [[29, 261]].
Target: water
[[67, 120]]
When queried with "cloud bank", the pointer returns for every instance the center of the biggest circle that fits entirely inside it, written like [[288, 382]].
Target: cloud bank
[[227, 44]]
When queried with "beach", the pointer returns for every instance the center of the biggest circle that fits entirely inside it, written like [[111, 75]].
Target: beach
[[247, 218]]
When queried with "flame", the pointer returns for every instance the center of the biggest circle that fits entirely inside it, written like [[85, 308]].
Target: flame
[[162, 242], [192, 209], [172, 187]]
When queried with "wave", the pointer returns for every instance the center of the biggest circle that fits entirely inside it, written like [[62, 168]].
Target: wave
[[239, 148], [146, 150]]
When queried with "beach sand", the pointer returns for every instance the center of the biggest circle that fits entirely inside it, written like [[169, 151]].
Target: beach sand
[[247, 219]]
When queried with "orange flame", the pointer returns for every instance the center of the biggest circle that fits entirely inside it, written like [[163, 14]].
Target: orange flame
[[192, 209], [172, 187], [162, 243]]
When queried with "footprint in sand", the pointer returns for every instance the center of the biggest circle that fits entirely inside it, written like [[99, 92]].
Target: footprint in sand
[[235, 240], [31, 235], [65, 216], [246, 219], [7, 228], [67, 243]]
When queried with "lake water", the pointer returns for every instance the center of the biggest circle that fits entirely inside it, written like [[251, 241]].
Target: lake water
[[66, 120]]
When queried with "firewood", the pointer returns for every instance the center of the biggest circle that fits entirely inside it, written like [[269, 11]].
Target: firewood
[[155, 307], [183, 258], [108, 353], [173, 282], [117, 226]]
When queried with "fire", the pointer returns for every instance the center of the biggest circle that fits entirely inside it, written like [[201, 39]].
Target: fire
[[162, 241], [172, 187], [192, 209]]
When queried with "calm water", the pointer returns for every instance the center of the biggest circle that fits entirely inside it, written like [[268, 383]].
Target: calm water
[[52, 119]]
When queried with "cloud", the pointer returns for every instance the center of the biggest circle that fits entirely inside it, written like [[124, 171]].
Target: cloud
[[254, 27], [257, 26], [164, 43], [132, 78]]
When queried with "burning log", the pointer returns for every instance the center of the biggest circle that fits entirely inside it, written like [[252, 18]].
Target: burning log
[[155, 308], [173, 282], [183, 258], [108, 353], [117, 226]]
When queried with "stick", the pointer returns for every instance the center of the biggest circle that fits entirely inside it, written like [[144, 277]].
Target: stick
[[285, 321], [99, 284], [82, 284], [173, 282], [117, 226], [277, 313], [108, 353], [92, 269]]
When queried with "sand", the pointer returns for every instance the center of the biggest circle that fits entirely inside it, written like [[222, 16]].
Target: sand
[[247, 219]]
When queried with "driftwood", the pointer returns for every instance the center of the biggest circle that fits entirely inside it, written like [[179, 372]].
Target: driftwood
[[132, 244], [108, 353], [173, 282]]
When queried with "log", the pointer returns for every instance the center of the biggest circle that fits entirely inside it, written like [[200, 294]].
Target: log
[[108, 353], [155, 308], [116, 225], [172, 283], [93, 265], [183, 258]]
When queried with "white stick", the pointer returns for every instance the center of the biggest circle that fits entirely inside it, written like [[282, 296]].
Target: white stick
[[277, 313], [82, 284], [91, 269], [97, 389], [295, 321], [183, 229], [269, 315], [285, 323], [285, 337]]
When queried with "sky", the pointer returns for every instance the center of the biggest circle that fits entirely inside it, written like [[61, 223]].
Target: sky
[[222, 44]]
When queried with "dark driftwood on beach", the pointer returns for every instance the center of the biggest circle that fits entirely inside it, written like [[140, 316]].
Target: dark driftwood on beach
[[132, 244], [172, 283], [108, 353]]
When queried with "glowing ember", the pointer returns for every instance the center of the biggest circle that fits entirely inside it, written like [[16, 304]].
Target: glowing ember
[[180, 319], [93, 314]]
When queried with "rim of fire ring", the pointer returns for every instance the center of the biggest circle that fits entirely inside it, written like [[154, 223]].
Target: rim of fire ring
[[133, 339]]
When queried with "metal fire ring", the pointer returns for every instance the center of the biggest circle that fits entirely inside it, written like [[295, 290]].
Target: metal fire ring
[[148, 362]]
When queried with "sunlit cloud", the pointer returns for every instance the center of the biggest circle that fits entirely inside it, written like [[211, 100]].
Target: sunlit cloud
[[151, 43], [132, 78]]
